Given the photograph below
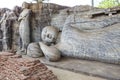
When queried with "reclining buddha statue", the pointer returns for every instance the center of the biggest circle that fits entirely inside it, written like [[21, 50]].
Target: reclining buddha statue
[[92, 40]]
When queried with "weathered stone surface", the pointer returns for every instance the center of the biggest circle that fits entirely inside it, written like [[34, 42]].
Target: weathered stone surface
[[90, 24], [15, 28], [49, 37], [34, 50], [51, 53], [58, 20], [15, 36], [9, 27], [100, 42], [49, 34], [17, 10], [91, 68], [14, 67], [82, 37], [24, 28], [41, 17], [2, 11], [6, 27]]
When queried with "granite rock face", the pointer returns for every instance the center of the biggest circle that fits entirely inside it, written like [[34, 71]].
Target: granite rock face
[[13, 67], [41, 17], [90, 24], [92, 40], [58, 19]]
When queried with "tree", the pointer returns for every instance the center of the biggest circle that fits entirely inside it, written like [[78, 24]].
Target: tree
[[109, 3], [39, 1]]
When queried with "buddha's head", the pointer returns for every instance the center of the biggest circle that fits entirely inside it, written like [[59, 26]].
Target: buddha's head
[[49, 34]]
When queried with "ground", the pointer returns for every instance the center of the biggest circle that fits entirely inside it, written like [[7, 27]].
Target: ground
[[65, 69], [69, 75], [87, 67]]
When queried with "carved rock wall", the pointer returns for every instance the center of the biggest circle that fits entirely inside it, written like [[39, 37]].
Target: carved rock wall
[[58, 20], [84, 37], [11, 29], [41, 17]]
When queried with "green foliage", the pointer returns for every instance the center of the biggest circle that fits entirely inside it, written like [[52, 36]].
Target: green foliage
[[109, 3]]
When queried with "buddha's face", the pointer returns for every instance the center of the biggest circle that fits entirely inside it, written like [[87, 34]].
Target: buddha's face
[[49, 34]]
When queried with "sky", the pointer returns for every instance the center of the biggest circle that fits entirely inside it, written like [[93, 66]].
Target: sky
[[11, 3]]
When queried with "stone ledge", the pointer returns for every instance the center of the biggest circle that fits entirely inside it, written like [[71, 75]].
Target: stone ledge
[[92, 68]]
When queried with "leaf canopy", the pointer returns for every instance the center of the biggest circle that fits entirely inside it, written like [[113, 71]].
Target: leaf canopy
[[109, 3]]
